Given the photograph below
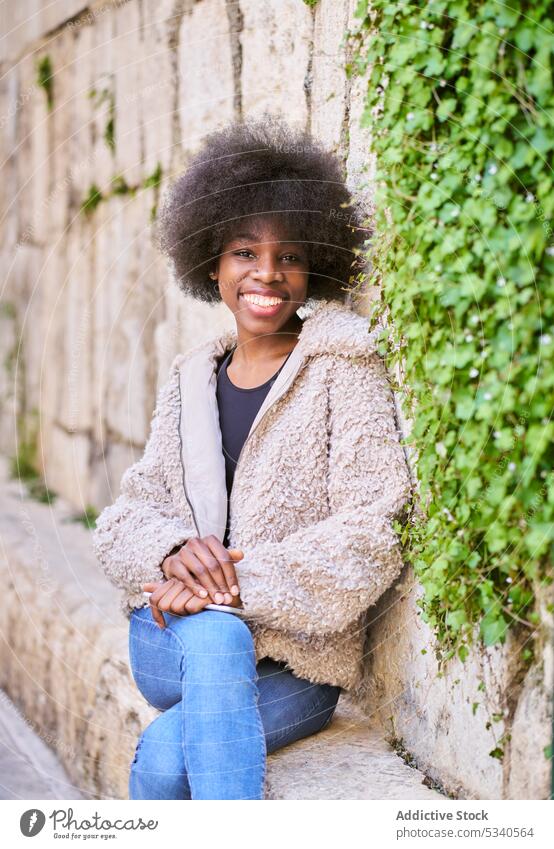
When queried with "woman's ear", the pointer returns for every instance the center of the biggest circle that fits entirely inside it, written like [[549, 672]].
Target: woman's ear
[[213, 277]]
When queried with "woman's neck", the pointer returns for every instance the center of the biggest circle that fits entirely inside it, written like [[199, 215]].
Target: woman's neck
[[255, 349]]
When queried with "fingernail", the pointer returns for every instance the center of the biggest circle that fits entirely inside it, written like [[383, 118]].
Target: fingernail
[[219, 598], [203, 593], [235, 590], [228, 598]]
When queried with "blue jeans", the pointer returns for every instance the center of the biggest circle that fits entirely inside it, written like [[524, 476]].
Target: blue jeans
[[222, 712]]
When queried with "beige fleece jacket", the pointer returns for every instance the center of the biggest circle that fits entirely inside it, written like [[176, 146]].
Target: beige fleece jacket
[[320, 479]]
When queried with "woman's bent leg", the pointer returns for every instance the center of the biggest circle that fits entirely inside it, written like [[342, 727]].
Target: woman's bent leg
[[292, 708], [158, 769], [209, 659]]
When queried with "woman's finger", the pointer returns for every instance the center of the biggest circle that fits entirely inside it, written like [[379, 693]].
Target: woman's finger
[[199, 560], [180, 571], [225, 558], [178, 605], [155, 590], [195, 605], [171, 593]]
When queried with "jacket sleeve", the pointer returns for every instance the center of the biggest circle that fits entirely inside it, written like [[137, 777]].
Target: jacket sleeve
[[320, 578], [133, 536]]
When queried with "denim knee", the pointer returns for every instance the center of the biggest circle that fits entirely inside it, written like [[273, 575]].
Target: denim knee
[[158, 767], [212, 628]]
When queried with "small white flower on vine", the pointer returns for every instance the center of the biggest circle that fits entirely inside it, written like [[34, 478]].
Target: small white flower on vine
[[474, 372], [477, 178], [410, 116], [545, 339], [529, 197], [493, 169], [512, 467], [501, 281], [487, 396], [474, 319], [469, 337]]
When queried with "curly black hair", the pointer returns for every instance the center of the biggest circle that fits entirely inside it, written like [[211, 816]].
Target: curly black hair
[[263, 168]]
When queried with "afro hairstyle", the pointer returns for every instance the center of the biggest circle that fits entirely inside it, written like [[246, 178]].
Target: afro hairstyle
[[256, 169]]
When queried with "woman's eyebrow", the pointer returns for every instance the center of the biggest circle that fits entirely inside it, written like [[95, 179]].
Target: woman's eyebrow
[[254, 238]]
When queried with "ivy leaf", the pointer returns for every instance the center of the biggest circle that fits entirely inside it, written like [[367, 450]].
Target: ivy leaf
[[447, 108], [493, 629]]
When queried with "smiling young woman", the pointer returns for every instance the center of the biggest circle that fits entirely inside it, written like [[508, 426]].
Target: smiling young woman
[[260, 517], [263, 279]]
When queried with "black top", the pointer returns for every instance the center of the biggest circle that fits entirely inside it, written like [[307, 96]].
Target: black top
[[237, 410]]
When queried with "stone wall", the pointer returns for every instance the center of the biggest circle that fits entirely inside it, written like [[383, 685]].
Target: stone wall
[[135, 86], [89, 321]]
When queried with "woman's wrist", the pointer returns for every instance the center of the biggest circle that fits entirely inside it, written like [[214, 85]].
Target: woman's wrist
[[173, 551]]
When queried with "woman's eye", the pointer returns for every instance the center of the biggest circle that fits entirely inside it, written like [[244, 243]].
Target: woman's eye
[[245, 252]]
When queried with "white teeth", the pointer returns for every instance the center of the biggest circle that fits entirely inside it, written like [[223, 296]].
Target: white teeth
[[261, 300]]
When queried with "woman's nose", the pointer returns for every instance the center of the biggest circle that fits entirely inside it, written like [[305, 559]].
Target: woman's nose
[[266, 271]]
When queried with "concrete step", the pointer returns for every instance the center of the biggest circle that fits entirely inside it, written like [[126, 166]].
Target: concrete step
[[29, 769], [64, 662], [348, 760]]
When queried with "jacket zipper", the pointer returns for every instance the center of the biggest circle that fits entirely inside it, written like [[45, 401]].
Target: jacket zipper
[[183, 465]]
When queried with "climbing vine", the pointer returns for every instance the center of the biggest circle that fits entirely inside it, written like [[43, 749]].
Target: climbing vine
[[119, 186], [460, 100], [45, 79]]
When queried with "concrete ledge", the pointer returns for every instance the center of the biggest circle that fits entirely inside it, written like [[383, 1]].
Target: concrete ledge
[[29, 768], [63, 661]]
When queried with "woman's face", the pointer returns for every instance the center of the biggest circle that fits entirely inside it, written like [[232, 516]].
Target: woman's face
[[262, 278]]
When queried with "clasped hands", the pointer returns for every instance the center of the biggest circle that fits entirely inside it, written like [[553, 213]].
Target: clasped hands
[[202, 572]]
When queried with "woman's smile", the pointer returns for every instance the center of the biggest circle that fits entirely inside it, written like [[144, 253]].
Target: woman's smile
[[262, 302]]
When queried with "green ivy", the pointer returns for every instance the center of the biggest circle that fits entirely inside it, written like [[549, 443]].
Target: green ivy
[[91, 201], [87, 518], [45, 79], [24, 466], [153, 180], [460, 101], [99, 97], [119, 186]]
